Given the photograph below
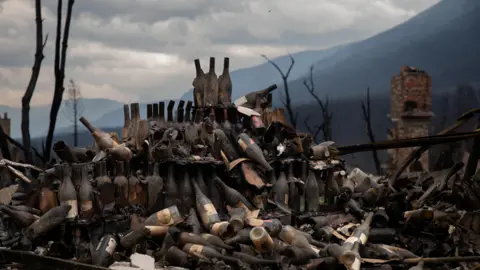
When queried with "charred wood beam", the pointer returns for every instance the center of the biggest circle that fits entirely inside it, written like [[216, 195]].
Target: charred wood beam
[[405, 143]]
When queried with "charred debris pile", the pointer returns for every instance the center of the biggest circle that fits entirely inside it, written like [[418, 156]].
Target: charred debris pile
[[230, 185]]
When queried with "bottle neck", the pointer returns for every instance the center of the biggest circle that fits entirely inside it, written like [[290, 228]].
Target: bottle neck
[[120, 169]]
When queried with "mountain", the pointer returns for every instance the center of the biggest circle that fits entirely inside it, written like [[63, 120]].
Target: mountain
[[263, 75], [442, 40], [40, 115]]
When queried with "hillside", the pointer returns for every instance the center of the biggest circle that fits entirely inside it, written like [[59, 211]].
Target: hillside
[[442, 40], [39, 116]]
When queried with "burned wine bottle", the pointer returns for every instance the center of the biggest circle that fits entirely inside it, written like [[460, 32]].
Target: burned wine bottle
[[170, 106], [102, 139], [227, 125], [47, 198], [155, 188], [342, 254], [252, 260], [133, 237], [208, 213], [103, 254], [21, 218], [213, 118], [183, 238], [149, 112], [25, 208], [222, 229], [177, 257], [186, 200], [237, 217], [180, 114], [161, 114], [106, 186], [360, 234], [249, 100], [232, 196], [311, 192], [170, 216], [155, 112], [216, 241], [347, 188], [49, 220], [171, 192], [199, 179], [225, 145], [207, 253], [66, 193], [280, 189], [225, 84], [64, 152], [136, 193], [210, 97], [85, 195], [121, 184], [198, 85], [188, 112], [242, 237], [294, 196], [261, 240], [213, 193], [253, 151]]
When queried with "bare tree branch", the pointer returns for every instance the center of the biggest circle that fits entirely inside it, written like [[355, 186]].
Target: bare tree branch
[[314, 131], [366, 110], [27, 97], [73, 108], [21, 147], [287, 101], [326, 115], [59, 72]]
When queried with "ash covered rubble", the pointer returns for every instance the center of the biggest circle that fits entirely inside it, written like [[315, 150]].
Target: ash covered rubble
[[230, 185]]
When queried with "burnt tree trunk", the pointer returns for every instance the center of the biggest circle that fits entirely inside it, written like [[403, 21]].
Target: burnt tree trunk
[[286, 100], [59, 71], [326, 126], [27, 97], [366, 110], [4, 146]]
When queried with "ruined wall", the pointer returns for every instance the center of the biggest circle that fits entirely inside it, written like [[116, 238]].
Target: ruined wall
[[5, 123], [410, 111]]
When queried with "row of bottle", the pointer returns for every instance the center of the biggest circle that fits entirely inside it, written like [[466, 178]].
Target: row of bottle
[[186, 116], [210, 90], [305, 190], [120, 186]]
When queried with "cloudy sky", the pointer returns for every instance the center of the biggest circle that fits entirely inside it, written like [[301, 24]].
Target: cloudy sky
[[136, 50]]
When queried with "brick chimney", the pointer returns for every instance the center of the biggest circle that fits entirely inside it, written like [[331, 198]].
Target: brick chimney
[[410, 113]]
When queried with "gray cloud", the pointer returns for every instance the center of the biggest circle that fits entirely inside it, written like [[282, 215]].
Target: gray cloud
[[137, 50]]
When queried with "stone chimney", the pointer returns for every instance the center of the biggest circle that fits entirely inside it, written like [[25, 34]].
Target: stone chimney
[[410, 113]]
